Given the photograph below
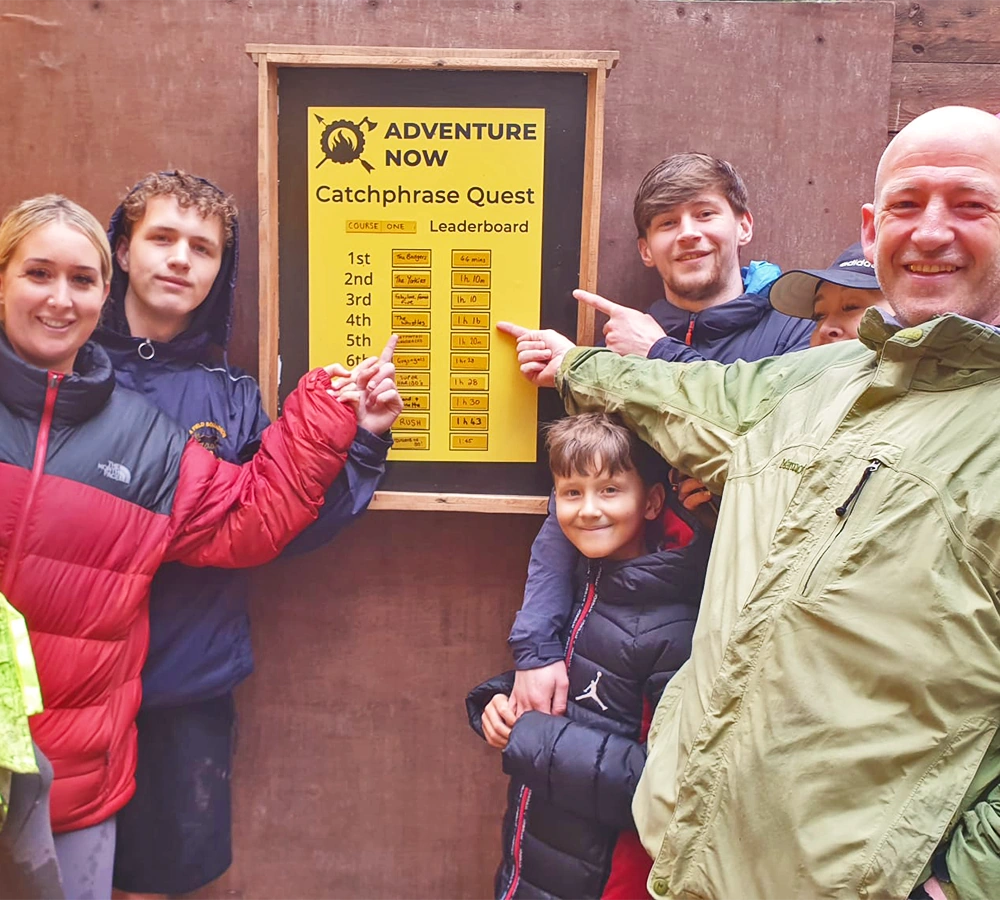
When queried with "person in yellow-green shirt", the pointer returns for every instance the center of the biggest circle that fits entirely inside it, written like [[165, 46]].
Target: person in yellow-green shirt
[[28, 865]]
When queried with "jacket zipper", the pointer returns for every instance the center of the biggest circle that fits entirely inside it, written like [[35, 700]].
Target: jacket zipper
[[525, 796], [870, 469], [37, 467], [690, 333], [843, 513]]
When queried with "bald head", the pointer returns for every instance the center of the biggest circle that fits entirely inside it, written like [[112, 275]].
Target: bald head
[[949, 130], [933, 231]]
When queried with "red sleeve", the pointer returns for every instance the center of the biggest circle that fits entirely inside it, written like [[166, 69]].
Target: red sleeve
[[236, 516]]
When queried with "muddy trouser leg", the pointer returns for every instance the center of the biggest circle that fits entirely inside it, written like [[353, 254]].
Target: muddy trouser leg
[[86, 861], [28, 867]]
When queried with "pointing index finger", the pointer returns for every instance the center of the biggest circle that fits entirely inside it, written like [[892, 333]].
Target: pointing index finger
[[601, 304], [390, 348], [512, 329]]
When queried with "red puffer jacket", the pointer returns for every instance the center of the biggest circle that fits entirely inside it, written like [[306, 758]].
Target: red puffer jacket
[[97, 488]]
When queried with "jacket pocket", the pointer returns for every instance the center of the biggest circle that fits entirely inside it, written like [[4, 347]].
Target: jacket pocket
[[926, 814]]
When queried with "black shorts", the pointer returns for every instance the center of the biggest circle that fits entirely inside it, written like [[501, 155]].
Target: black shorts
[[175, 834]]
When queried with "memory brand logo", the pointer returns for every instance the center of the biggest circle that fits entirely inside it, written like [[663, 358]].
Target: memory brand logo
[[797, 468], [115, 471]]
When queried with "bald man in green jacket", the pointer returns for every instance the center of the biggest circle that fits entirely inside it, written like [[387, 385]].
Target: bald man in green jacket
[[834, 733]]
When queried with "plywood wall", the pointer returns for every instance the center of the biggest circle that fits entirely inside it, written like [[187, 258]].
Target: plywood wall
[[356, 774]]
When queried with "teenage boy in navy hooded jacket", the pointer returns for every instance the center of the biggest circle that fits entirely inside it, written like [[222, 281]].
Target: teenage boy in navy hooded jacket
[[692, 216], [175, 240]]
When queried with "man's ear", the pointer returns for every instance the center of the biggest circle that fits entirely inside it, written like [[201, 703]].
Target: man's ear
[[868, 231], [645, 255], [656, 496], [121, 252], [746, 229]]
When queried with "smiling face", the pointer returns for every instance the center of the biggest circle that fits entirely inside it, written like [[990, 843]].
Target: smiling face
[[933, 231], [52, 292], [172, 259], [695, 249], [604, 516], [837, 312]]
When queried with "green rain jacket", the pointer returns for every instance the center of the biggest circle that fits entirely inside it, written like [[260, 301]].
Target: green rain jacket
[[20, 697], [837, 720]]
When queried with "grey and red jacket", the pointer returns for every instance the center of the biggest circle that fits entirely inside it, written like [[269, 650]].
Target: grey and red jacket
[[573, 776], [97, 489]]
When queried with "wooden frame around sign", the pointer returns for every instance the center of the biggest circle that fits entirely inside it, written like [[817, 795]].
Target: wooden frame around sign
[[596, 64]]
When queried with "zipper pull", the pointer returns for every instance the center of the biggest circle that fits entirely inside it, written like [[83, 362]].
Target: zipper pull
[[690, 334], [871, 468], [146, 350]]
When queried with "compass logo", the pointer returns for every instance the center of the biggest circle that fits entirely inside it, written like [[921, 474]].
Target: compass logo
[[343, 141]]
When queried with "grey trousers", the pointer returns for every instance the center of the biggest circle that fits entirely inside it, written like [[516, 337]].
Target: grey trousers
[[87, 861], [28, 866]]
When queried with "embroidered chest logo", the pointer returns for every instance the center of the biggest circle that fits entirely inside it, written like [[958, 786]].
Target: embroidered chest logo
[[208, 434], [115, 471], [591, 693], [797, 468]]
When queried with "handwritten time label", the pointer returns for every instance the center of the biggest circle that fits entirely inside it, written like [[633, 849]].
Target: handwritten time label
[[426, 222]]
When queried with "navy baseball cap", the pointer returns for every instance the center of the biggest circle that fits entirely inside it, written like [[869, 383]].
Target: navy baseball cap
[[794, 291]]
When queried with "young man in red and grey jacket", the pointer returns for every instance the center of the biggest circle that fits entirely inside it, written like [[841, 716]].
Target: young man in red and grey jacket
[[175, 240], [692, 216]]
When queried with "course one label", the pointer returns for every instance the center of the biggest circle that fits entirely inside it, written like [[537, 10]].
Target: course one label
[[427, 223]]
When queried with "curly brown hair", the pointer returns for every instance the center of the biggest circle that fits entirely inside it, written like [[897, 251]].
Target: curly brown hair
[[188, 190]]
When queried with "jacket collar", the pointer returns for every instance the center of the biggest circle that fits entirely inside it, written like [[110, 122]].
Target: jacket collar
[[737, 315], [951, 341], [81, 394]]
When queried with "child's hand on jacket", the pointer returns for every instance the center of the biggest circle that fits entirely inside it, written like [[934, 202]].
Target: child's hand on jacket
[[498, 718]]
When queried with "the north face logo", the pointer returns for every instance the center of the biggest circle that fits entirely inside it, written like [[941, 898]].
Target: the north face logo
[[115, 471]]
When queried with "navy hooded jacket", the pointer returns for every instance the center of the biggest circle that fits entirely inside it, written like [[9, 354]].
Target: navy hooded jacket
[[745, 328], [573, 776], [199, 640]]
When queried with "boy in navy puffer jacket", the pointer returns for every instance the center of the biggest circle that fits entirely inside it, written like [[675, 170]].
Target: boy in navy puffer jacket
[[573, 776]]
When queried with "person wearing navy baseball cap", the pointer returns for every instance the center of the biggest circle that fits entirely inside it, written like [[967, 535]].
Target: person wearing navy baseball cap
[[834, 298]]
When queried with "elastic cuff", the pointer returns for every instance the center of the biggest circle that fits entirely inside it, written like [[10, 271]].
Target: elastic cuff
[[535, 656], [376, 446]]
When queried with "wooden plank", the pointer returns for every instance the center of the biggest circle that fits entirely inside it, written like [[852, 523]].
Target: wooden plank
[[918, 87], [591, 220], [267, 231], [947, 31], [411, 57], [479, 503]]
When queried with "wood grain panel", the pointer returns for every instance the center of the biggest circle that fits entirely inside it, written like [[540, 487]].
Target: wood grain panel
[[947, 31], [919, 87], [356, 775]]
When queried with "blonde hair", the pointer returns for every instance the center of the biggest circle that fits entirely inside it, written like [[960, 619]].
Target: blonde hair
[[32, 214]]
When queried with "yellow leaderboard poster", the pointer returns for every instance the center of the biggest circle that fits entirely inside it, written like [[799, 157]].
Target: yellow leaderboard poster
[[427, 223]]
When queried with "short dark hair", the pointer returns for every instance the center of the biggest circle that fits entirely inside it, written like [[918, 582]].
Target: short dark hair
[[590, 443], [681, 177], [187, 190]]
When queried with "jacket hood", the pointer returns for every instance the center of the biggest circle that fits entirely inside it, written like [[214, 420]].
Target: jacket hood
[[949, 342], [212, 321]]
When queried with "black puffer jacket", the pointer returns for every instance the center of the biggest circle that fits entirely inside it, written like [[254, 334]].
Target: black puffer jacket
[[573, 776]]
